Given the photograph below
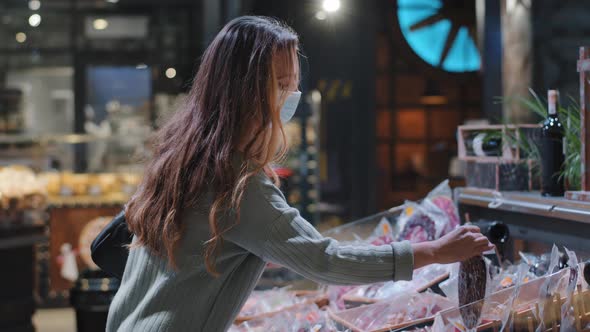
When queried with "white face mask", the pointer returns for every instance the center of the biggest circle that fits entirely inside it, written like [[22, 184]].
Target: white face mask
[[290, 105]]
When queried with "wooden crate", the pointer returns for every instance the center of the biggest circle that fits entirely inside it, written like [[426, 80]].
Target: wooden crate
[[511, 171]]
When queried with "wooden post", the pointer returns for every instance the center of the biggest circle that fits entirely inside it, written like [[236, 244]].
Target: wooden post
[[584, 70]]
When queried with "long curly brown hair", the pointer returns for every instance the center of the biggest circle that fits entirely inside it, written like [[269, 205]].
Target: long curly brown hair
[[233, 107]]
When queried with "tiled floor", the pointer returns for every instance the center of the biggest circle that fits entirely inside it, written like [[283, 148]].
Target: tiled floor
[[55, 320]]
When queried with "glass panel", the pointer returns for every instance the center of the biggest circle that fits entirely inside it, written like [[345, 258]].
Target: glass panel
[[443, 124], [47, 100], [410, 159], [411, 124], [26, 29], [382, 90], [118, 103], [408, 88], [383, 124]]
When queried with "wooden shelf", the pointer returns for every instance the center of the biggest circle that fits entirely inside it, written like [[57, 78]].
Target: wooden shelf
[[110, 199], [527, 202]]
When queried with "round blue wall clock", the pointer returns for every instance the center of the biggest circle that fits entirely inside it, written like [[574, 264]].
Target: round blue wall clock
[[441, 32]]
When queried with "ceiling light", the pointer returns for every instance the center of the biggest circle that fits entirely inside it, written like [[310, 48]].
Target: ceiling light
[[112, 1], [170, 72], [35, 20], [321, 15], [432, 94], [34, 4], [331, 5], [100, 24], [21, 37], [141, 66]]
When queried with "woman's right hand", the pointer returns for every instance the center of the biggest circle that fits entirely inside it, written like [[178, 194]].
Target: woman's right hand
[[461, 244], [456, 246]]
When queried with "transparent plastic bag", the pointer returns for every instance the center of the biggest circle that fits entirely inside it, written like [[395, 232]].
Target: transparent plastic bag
[[399, 311], [421, 222], [335, 296], [299, 318], [568, 319], [509, 274], [422, 279], [442, 197], [383, 234], [435, 216], [497, 307], [261, 302], [450, 286]]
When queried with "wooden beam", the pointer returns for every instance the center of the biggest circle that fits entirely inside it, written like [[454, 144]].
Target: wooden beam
[[583, 67], [584, 118]]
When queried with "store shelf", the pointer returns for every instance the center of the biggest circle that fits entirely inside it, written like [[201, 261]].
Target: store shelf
[[18, 236], [102, 200], [530, 215], [527, 202]]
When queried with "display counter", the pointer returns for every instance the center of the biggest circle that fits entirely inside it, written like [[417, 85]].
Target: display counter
[[71, 208], [531, 274], [72, 228]]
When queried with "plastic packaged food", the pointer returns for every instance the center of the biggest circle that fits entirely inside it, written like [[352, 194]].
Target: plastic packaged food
[[442, 197], [473, 275], [422, 279], [383, 234], [435, 216], [525, 299], [403, 310], [264, 303], [261, 302], [299, 318]]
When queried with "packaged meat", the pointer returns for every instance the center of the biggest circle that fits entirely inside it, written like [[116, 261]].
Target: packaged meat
[[335, 296], [419, 226], [299, 318], [383, 234], [472, 287], [400, 311], [264, 303], [496, 308], [435, 216], [546, 263], [422, 279], [442, 197]]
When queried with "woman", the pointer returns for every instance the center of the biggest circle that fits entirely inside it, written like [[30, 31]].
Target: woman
[[208, 216]]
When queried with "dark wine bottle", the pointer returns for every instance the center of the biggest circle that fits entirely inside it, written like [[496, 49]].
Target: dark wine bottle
[[552, 157]]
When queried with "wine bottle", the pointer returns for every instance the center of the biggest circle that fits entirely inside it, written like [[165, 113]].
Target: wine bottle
[[552, 149]]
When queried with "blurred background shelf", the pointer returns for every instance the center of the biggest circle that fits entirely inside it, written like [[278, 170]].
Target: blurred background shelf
[[531, 217]]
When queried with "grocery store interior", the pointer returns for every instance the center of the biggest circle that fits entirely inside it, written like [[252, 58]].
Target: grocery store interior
[[416, 116]]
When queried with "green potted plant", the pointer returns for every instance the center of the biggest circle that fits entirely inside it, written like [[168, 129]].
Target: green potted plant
[[569, 116]]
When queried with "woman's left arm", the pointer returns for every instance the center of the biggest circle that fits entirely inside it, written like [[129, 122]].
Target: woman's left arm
[[276, 232], [295, 243]]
